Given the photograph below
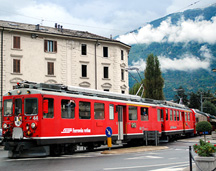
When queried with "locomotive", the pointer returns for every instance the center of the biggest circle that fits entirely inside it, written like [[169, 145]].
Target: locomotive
[[55, 118]]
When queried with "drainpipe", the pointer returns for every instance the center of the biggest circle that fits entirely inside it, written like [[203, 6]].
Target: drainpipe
[[1, 71], [96, 44]]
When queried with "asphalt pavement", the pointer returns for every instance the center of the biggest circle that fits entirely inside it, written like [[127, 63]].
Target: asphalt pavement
[[155, 148]]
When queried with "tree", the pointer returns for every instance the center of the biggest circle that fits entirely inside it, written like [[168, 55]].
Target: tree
[[194, 101], [209, 107], [153, 81], [203, 126], [181, 96]]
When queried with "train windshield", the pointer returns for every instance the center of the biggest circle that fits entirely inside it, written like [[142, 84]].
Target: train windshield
[[31, 106], [8, 107], [18, 107]]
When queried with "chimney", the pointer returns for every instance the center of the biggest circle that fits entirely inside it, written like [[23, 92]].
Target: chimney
[[61, 28], [110, 36], [37, 27], [56, 25]]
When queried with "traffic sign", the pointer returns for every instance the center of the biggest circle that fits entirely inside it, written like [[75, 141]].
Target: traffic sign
[[108, 131]]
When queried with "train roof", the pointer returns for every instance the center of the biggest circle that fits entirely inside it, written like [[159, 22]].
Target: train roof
[[95, 93]]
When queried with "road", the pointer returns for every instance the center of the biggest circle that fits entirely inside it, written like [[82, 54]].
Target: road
[[174, 158]]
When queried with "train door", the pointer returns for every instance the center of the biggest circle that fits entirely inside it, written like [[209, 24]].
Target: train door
[[120, 110], [18, 118], [183, 121]]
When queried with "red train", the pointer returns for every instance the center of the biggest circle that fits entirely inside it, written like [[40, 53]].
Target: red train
[[57, 118]]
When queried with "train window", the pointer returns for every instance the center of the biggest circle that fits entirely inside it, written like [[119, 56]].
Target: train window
[[67, 109], [180, 116], [144, 114], [188, 116], [84, 110], [31, 106], [160, 115], [174, 113], [8, 107], [99, 111], [50, 113], [111, 111], [185, 116], [167, 114], [132, 113], [177, 115], [18, 106], [171, 115]]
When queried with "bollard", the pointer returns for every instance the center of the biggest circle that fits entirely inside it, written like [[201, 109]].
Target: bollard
[[109, 142], [190, 158]]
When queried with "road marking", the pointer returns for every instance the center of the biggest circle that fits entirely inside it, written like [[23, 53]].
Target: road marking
[[135, 167], [142, 157], [174, 168], [60, 157]]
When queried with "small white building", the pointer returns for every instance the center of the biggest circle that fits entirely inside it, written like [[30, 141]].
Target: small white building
[[57, 55]]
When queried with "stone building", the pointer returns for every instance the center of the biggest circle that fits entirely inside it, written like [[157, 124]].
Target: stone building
[[56, 55]]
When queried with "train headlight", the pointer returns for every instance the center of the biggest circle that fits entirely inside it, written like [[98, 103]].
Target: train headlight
[[33, 125], [5, 126], [27, 126]]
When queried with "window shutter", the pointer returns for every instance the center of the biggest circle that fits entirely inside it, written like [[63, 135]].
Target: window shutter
[[16, 42], [55, 46], [45, 45]]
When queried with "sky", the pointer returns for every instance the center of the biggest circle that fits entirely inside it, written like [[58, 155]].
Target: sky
[[117, 17], [103, 17]]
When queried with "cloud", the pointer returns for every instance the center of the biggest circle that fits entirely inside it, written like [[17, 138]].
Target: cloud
[[184, 31], [186, 62], [96, 16]]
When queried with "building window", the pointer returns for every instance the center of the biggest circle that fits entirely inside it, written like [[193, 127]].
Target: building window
[[16, 42], [122, 55], [84, 49], [123, 92], [50, 46], [84, 70], [106, 89], [122, 74], [50, 68], [105, 51], [16, 65], [106, 72]]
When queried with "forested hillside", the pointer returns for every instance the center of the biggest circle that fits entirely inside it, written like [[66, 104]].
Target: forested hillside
[[186, 46]]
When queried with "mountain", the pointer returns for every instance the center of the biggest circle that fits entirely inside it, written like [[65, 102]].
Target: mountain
[[185, 44]]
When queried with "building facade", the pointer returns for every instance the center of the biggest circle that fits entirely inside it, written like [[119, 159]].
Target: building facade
[[56, 55]]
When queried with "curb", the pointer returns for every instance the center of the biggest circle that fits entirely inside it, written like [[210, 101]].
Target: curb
[[134, 149]]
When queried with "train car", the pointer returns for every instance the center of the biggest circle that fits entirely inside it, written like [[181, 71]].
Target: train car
[[177, 120], [57, 118]]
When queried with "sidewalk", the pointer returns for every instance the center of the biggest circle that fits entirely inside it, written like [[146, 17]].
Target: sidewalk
[[196, 140]]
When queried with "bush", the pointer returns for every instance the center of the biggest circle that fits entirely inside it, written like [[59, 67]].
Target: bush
[[205, 149], [203, 126]]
